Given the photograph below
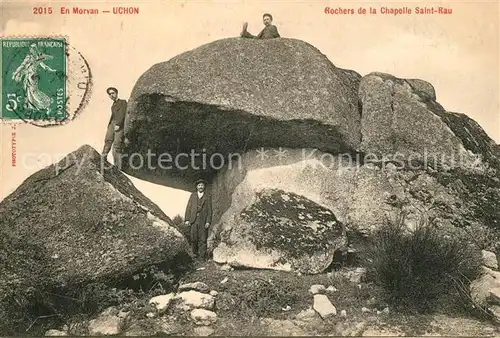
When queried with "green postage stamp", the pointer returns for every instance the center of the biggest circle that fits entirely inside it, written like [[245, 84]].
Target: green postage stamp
[[33, 79]]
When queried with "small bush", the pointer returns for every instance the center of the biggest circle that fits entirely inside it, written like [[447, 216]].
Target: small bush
[[419, 269], [178, 222]]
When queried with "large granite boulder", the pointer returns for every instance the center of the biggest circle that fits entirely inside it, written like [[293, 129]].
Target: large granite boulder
[[77, 222], [361, 196], [232, 95], [401, 121], [282, 231], [354, 193]]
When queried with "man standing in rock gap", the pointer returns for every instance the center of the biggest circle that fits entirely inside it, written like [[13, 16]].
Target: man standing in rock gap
[[198, 217], [269, 32], [114, 134]]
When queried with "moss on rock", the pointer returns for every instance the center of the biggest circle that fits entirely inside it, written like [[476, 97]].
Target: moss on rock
[[284, 231]]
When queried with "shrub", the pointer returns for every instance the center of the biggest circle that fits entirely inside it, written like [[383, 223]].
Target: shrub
[[178, 222], [421, 268]]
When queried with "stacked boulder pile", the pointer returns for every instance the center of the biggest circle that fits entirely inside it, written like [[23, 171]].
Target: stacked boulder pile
[[291, 131]]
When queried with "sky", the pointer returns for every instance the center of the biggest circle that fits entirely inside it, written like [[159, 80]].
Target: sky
[[457, 53]]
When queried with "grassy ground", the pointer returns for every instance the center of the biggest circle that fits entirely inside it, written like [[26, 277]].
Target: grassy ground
[[251, 302], [270, 303]]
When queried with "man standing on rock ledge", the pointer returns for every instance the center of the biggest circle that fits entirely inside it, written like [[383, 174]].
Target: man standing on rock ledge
[[114, 135], [269, 32], [198, 217]]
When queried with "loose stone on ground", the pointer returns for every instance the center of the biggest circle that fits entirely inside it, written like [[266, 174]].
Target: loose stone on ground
[[55, 333], [489, 259], [196, 286], [197, 299], [324, 307], [317, 288], [203, 317], [277, 327], [203, 331], [306, 315], [107, 323], [162, 302]]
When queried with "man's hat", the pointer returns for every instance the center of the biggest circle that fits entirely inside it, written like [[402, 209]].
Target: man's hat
[[200, 180]]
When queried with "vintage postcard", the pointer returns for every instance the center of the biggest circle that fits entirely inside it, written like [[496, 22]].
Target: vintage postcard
[[244, 168]]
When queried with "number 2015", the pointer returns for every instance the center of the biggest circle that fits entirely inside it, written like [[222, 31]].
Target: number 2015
[[42, 10]]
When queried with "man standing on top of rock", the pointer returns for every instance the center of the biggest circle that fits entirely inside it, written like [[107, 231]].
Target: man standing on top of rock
[[114, 135], [269, 32], [199, 216]]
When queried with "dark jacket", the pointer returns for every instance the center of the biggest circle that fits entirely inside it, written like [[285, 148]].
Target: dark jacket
[[269, 32], [199, 210], [118, 112]]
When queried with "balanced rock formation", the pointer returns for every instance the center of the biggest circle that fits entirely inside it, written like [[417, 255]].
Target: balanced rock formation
[[282, 231], [253, 116], [80, 221], [236, 94]]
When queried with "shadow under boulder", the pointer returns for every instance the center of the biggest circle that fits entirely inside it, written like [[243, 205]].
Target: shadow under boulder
[[233, 95]]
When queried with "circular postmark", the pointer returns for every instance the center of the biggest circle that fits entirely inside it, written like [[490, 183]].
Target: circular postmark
[[45, 81]]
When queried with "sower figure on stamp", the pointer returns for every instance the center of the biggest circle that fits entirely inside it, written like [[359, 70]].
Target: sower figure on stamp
[[198, 217], [28, 74], [114, 134], [269, 32]]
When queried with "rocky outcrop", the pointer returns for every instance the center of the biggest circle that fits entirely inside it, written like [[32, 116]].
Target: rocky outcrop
[[359, 196], [401, 121], [232, 95], [199, 114], [77, 222], [485, 290], [280, 115], [363, 197], [206, 115], [283, 231]]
